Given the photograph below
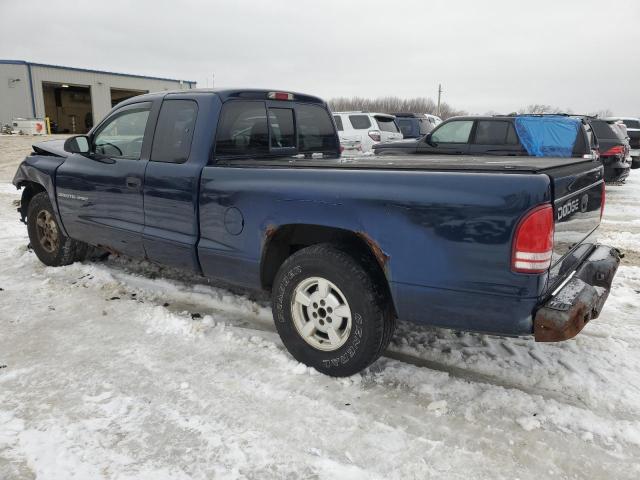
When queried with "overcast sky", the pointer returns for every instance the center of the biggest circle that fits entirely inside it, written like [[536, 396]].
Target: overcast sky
[[489, 55]]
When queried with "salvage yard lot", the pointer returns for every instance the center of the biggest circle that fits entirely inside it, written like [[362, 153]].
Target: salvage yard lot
[[121, 369]]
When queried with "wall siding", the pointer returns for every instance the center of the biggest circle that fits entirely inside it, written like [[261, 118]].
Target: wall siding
[[16, 101]]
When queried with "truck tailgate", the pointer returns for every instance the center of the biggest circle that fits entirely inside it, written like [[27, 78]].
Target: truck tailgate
[[578, 193]]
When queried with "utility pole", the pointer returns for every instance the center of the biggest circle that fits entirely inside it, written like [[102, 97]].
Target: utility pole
[[439, 95], [213, 80]]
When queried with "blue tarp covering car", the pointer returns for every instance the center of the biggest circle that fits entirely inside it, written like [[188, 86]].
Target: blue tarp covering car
[[547, 136]]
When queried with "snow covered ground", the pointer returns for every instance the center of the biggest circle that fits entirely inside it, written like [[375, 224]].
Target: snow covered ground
[[124, 370]]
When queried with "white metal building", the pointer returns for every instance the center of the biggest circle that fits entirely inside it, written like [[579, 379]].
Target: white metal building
[[74, 99]]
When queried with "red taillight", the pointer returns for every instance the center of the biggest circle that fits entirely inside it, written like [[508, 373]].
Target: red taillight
[[374, 135], [617, 150], [280, 96], [533, 242], [604, 197]]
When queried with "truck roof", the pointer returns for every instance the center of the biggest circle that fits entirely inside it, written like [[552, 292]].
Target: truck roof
[[224, 94]]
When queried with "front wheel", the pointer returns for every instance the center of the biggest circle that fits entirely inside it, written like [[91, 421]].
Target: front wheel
[[330, 313], [48, 242]]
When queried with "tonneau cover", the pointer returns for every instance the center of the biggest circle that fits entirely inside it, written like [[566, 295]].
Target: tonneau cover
[[519, 164]]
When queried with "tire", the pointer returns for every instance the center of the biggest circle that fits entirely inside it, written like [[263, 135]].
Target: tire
[[50, 245], [361, 331]]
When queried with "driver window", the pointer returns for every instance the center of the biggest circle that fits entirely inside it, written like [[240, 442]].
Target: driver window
[[123, 135], [453, 132]]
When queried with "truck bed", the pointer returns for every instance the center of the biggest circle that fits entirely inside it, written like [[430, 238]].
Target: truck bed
[[423, 162]]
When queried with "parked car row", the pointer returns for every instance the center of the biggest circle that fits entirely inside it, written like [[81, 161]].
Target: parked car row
[[632, 127], [367, 128], [615, 141]]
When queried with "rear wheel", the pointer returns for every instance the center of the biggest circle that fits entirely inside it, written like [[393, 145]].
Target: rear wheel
[[48, 241], [330, 312]]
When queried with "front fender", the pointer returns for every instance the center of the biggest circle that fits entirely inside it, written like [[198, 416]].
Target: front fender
[[39, 170]]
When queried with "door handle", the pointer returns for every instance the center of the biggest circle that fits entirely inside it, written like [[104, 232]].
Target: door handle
[[134, 183]]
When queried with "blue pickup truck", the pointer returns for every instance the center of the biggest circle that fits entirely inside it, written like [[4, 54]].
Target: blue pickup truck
[[248, 187]]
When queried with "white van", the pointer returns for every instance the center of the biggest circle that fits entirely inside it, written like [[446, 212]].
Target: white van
[[369, 128]]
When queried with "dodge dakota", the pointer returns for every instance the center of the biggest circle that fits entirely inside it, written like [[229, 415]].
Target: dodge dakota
[[248, 187]]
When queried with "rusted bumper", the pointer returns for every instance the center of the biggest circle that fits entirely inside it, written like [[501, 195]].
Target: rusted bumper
[[580, 299]]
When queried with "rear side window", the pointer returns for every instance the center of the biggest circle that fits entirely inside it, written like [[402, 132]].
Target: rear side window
[[315, 130], [632, 123], [603, 130], [283, 134], [386, 124], [512, 136], [174, 131], [490, 132], [453, 132], [360, 122], [243, 129], [338, 120]]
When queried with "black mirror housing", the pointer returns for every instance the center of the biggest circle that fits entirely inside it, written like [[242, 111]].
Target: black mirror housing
[[77, 144], [427, 139]]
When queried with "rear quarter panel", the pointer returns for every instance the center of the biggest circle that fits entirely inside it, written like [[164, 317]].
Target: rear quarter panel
[[447, 236]]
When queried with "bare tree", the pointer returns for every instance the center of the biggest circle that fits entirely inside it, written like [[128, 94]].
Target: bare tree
[[539, 108], [393, 105], [602, 113]]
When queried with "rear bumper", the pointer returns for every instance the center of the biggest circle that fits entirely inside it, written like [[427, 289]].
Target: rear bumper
[[617, 171], [579, 300]]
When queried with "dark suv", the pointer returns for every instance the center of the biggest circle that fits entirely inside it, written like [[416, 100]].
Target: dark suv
[[614, 149], [475, 135]]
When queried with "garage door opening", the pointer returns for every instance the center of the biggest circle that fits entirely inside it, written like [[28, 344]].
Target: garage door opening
[[68, 107], [120, 95]]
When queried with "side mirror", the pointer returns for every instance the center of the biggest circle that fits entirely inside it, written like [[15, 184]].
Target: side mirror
[[427, 139], [77, 144]]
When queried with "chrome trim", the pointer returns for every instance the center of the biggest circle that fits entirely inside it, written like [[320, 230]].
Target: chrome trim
[[577, 192], [564, 282]]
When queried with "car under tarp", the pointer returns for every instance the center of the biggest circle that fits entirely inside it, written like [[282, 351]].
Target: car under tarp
[[548, 135]]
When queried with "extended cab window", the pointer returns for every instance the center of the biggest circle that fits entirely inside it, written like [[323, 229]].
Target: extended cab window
[[453, 132], [243, 129], [360, 122], [315, 130], [174, 131], [122, 135], [495, 132]]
